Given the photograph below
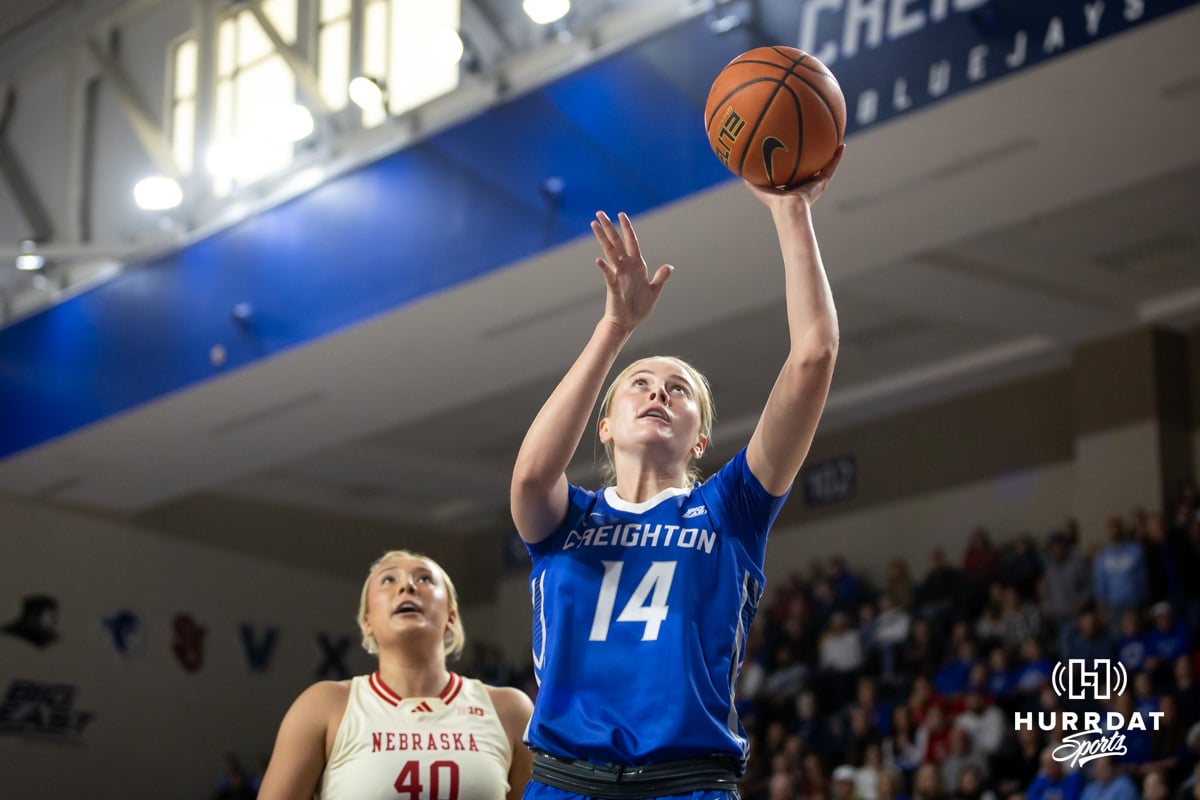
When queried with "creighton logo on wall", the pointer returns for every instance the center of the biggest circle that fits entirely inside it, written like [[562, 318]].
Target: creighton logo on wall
[[1091, 734]]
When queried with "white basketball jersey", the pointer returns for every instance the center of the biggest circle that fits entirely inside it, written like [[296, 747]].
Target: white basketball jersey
[[449, 747]]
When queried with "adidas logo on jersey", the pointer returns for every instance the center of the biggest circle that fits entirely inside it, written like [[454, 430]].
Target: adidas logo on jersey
[[422, 707], [694, 511]]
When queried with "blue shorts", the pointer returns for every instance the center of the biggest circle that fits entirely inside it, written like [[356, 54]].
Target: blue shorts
[[535, 790]]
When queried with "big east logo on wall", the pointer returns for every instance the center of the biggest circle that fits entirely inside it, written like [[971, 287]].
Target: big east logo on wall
[[44, 711], [1091, 733]]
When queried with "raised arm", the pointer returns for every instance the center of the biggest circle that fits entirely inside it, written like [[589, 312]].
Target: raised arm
[[785, 430], [539, 484], [301, 746]]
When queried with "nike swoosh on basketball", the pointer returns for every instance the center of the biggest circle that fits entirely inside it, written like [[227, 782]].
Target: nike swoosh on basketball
[[769, 146]]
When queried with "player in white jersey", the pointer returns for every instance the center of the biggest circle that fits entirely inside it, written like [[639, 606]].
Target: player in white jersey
[[643, 593], [412, 729]]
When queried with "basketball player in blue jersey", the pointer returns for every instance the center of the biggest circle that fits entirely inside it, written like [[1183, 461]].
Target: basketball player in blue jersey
[[411, 729], [644, 591]]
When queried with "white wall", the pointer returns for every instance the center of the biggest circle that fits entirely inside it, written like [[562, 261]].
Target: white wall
[[1034, 501], [158, 730]]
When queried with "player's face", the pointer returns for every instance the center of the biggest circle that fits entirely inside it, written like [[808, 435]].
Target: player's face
[[407, 596], [656, 403]]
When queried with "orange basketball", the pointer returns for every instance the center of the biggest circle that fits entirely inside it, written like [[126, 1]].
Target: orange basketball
[[775, 115]]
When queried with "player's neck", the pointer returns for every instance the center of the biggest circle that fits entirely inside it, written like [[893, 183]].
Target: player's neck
[[637, 483], [414, 677]]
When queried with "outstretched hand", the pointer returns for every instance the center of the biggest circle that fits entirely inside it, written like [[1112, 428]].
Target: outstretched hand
[[631, 292], [806, 192]]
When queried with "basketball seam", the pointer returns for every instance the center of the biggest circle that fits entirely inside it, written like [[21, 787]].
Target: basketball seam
[[820, 95], [732, 92], [799, 134], [767, 105]]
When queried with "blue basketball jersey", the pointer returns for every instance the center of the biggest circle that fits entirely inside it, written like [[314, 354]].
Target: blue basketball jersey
[[640, 618]]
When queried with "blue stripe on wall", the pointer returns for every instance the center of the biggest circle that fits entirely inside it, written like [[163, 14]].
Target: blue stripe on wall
[[623, 134]]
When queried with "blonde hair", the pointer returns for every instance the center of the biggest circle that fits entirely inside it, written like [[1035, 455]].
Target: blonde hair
[[456, 635], [708, 411]]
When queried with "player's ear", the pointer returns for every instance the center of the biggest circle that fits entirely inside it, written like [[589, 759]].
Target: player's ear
[[603, 430], [699, 448]]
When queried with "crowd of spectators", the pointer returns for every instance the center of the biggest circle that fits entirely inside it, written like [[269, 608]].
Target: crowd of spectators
[[912, 686]]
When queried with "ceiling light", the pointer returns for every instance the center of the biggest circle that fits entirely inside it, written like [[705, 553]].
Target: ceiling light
[[543, 12], [296, 123], [157, 193], [367, 93], [30, 259], [445, 46]]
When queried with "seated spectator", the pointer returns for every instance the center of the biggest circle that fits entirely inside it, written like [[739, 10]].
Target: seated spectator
[[972, 785], [1145, 699], [878, 712], [921, 698], [810, 726], [848, 588], [899, 586], [1017, 763], [780, 783], [900, 747], [921, 654], [1023, 567], [814, 785], [1154, 786], [842, 784], [1168, 639], [951, 679], [891, 631], [1185, 690], [940, 593], [890, 785], [1107, 783], [1019, 619], [960, 755], [1131, 645], [866, 777], [860, 734], [1066, 582], [1054, 782], [986, 724], [1169, 751], [1002, 679], [1138, 744], [1034, 670], [989, 626], [1166, 562], [1118, 575], [1085, 638], [841, 658], [927, 783], [982, 565], [933, 736]]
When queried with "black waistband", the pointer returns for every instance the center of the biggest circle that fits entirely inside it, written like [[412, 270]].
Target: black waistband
[[615, 782]]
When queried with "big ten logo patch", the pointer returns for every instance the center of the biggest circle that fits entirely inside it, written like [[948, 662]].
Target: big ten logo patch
[[124, 631], [471, 711], [45, 711], [187, 642]]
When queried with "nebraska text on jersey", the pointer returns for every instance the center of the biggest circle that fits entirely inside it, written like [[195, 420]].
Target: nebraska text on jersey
[[382, 742], [638, 534]]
